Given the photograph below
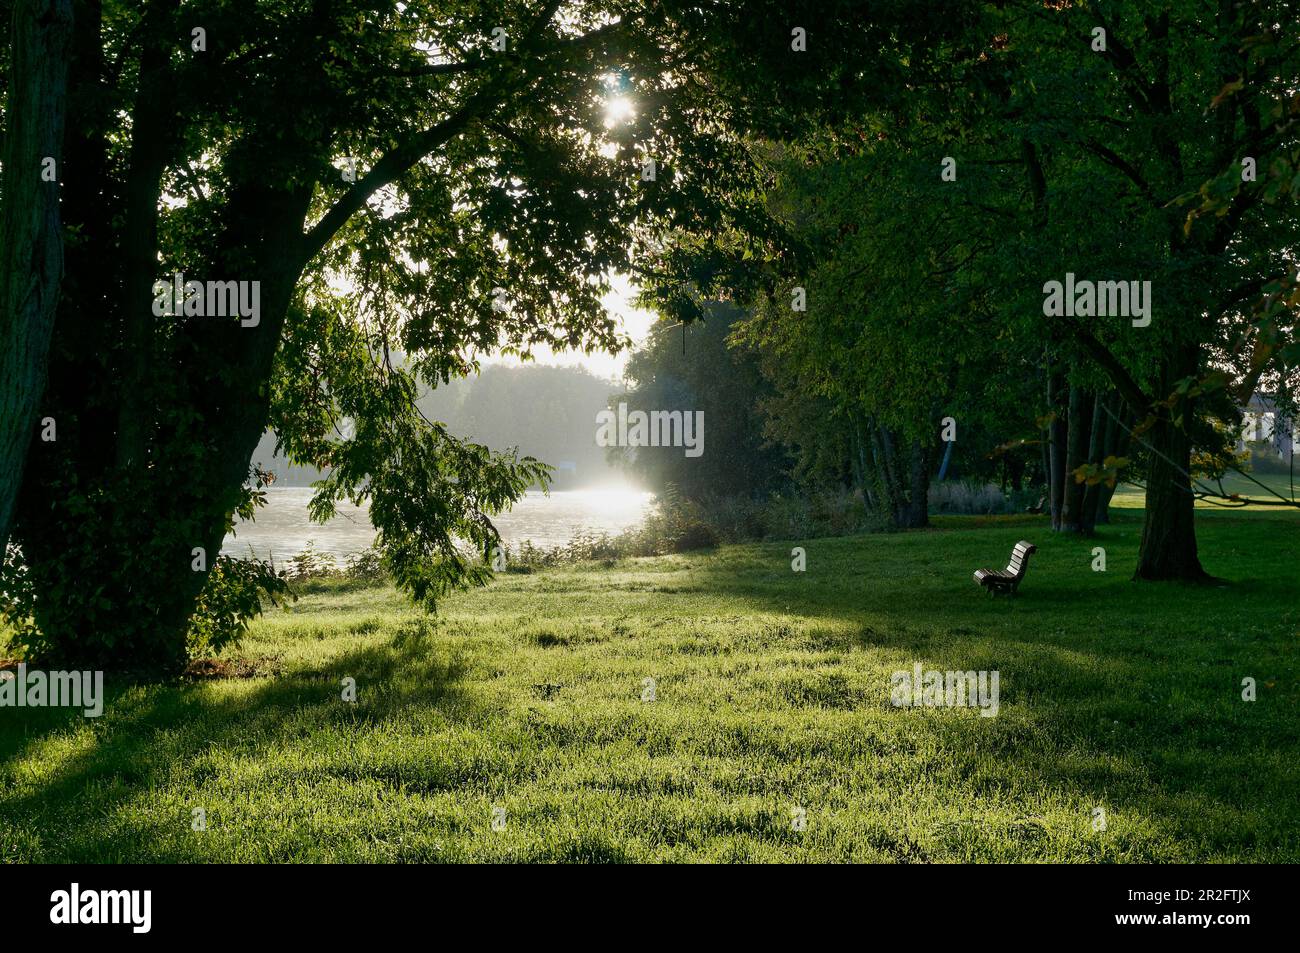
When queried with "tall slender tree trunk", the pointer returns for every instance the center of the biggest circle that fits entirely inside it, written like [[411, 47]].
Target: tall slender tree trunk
[[891, 478], [857, 470], [31, 240], [1104, 495], [1117, 441], [1056, 450], [1076, 455], [1045, 466], [863, 456], [1096, 453], [916, 512]]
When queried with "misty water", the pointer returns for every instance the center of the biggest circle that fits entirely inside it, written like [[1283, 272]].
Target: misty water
[[282, 528]]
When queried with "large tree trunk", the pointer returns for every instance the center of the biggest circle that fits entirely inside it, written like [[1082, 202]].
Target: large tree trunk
[[151, 147], [902, 480], [150, 510], [31, 240], [1168, 548], [155, 512]]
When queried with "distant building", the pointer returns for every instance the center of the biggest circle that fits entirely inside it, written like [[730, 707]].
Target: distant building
[[1264, 422]]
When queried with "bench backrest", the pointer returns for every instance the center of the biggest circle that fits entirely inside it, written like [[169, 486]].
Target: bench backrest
[[1020, 558]]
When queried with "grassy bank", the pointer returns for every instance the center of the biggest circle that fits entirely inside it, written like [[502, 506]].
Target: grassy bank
[[772, 692]]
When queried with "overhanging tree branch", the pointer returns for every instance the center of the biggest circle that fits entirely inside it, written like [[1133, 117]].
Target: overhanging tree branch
[[1114, 159], [396, 162], [389, 167], [1124, 382]]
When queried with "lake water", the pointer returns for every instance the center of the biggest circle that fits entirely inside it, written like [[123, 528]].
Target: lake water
[[282, 528]]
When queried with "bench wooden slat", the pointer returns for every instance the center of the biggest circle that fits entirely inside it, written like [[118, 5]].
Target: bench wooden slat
[[1009, 579]]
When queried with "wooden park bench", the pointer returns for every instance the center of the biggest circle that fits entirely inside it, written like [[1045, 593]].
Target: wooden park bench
[[1007, 580]]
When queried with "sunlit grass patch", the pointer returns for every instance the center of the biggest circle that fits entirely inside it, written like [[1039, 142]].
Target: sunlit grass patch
[[770, 693]]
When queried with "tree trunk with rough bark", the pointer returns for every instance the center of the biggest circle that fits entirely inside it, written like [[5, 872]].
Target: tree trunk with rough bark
[[31, 240], [1168, 547]]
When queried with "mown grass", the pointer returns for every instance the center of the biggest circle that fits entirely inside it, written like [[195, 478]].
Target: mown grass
[[1270, 489], [772, 692]]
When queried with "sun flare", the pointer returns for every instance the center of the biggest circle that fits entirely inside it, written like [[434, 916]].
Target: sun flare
[[618, 109]]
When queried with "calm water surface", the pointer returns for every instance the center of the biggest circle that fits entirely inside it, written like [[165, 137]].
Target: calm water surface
[[282, 528]]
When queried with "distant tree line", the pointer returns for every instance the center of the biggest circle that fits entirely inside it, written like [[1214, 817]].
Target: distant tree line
[[770, 430]]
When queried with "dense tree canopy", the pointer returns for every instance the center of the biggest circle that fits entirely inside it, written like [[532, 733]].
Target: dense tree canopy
[[1112, 142], [429, 177], [886, 191]]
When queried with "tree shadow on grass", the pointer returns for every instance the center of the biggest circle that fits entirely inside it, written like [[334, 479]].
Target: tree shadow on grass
[[151, 736], [1130, 702], [1141, 719]]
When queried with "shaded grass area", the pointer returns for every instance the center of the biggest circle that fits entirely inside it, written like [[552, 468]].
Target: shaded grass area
[[772, 692]]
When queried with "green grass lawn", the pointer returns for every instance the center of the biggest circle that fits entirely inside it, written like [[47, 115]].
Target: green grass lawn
[[1132, 497], [772, 693]]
